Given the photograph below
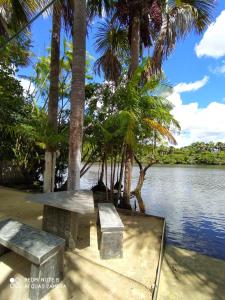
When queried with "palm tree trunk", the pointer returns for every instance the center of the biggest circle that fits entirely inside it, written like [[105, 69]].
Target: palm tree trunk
[[128, 176], [77, 94], [102, 169], [50, 154], [135, 53], [106, 179], [113, 176], [135, 45], [121, 171]]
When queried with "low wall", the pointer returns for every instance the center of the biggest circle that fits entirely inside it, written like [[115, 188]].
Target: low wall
[[10, 174]]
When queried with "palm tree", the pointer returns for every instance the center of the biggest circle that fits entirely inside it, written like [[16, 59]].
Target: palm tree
[[50, 154], [78, 83], [148, 19], [140, 17], [111, 42], [98, 7], [77, 94], [178, 19], [158, 118], [161, 23], [138, 114], [15, 14]]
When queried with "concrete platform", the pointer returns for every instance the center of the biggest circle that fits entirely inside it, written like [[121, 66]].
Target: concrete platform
[[189, 275], [87, 277]]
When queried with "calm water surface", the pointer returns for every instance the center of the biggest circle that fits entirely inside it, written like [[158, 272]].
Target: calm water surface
[[192, 199]]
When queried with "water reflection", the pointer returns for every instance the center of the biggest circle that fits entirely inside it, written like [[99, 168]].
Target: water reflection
[[191, 199]]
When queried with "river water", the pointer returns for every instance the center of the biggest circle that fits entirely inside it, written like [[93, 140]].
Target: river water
[[192, 199]]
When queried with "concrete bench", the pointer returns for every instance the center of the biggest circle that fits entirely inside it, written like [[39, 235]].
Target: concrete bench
[[42, 249], [111, 244]]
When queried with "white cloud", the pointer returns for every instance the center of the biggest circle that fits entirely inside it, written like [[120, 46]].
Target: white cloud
[[192, 86], [213, 42], [220, 69], [27, 85], [198, 124]]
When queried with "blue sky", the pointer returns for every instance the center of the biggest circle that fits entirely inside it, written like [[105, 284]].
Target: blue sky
[[196, 69]]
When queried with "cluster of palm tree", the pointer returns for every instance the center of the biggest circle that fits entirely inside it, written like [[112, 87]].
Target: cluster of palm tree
[[153, 26], [129, 31], [122, 121]]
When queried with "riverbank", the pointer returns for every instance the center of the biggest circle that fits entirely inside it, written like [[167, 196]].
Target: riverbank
[[189, 275], [86, 276]]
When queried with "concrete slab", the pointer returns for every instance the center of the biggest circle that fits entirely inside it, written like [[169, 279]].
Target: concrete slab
[[34, 244], [81, 201], [109, 218]]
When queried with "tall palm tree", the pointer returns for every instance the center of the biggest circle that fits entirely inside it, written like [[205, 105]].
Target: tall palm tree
[[140, 17], [14, 15], [78, 83], [167, 20], [77, 94], [161, 22], [61, 9], [143, 19], [50, 154]]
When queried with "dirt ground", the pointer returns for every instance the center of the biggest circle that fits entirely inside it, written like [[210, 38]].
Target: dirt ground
[[87, 277], [187, 275]]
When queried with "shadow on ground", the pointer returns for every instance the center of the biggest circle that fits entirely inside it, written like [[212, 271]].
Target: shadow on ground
[[188, 275]]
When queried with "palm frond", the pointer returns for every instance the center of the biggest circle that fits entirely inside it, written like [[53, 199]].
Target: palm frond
[[111, 43], [179, 18], [109, 65], [161, 129], [99, 8]]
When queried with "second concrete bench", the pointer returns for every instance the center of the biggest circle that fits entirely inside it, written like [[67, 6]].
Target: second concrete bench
[[42, 249], [111, 244]]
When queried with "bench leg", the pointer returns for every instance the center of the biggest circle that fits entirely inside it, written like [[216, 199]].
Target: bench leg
[[61, 222], [46, 276], [111, 245], [3, 250]]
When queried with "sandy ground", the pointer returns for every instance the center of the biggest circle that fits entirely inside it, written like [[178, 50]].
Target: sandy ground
[[86, 276], [187, 275]]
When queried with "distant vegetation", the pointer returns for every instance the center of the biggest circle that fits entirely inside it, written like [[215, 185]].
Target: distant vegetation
[[196, 154]]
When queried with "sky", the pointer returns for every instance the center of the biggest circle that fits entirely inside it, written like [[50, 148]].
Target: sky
[[196, 70]]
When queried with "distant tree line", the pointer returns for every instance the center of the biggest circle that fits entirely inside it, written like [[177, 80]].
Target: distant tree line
[[198, 153]]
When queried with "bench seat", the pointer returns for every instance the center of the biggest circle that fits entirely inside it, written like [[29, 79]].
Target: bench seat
[[42, 249], [111, 244]]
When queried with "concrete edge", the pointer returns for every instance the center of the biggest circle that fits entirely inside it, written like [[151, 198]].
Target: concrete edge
[[158, 270], [136, 213]]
